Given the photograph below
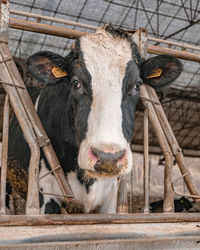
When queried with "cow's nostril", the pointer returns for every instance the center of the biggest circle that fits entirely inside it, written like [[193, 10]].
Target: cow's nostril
[[107, 156]]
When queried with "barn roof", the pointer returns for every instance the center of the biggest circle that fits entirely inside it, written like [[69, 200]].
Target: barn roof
[[177, 21]]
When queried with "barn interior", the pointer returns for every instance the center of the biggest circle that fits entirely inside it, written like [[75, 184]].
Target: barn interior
[[170, 25], [177, 22]]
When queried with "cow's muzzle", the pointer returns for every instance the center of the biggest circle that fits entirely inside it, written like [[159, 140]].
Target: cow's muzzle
[[107, 162]]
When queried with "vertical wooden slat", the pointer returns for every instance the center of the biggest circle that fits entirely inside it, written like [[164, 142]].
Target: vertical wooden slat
[[122, 202], [141, 39], [4, 155], [177, 151], [146, 162]]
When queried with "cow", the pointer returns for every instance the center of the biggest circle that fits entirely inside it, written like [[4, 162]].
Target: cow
[[87, 109]]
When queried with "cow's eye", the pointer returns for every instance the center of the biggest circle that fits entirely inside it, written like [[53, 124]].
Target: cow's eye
[[134, 89], [137, 85], [76, 84]]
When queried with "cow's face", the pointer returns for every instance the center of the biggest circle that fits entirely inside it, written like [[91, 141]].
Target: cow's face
[[105, 72]]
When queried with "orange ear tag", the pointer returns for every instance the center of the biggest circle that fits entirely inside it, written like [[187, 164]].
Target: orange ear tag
[[57, 72], [155, 73]]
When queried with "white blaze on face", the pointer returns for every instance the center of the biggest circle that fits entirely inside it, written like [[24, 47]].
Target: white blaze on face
[[106, 59]]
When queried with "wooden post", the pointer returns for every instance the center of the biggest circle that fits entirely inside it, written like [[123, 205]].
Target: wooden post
[[146, 162], [140, 38], [122, 202], [4, 155], [177, 151], [4, 22], [165, 136]]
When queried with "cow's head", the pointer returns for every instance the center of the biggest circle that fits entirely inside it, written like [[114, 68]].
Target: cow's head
[[105, 72]]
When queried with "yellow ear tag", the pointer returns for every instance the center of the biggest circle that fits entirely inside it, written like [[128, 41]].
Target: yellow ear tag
[[57, 72], [155, 73]]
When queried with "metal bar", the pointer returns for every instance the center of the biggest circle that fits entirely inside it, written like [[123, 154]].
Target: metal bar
[[182, 45], [45, 29], [49, 172], [183, 194], [4, 155], [89, 219], [37, 127], [73, 34], [185, 11], [171, 20], [53, 19], [177, 152], [148, 10], [152, 49], [175, 4], [196, 10], [7, 74], [157, 150], [183, 29], [168, 192], [147, 17], [32, 127], [58, 195], [12, 84], [131, 191], [87, 26], [168, 206], [122, 202], [5, 69], [146, 162]]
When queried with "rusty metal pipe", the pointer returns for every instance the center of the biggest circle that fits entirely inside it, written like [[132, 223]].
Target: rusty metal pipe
[[140, 37], [53, 19], [122, 202], [32, 203], [6, 74], [131, 191], [172, 43], [168, 205], [28, 120], [146, 161], [39, 131], [88, 26], [152, 49], [45, 29], [73, 34], [177, 151], [90, 219], [4, 155]]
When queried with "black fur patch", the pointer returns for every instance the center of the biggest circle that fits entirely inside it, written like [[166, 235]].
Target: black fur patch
[[116, 32], [8, 193], [41, 199], [52, 207], [130, 97], [87, 181], [80, 102]]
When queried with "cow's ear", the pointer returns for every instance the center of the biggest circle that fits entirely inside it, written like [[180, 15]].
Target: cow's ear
[[159, 71], [47, 67]]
